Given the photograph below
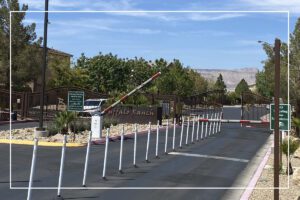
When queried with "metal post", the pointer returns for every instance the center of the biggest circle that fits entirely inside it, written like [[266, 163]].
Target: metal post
[[193, 130], [157, 139], [42, 93], [134, 145], [148, 140], [174, 134], [187, 131], [121, 150], [62, 162], [276, 122], [198, 125], [32, 169], [181, 133], [166, 140], [105, 153], [87, 158]]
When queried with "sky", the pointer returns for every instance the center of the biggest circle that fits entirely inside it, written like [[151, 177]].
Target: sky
[[200, 40]]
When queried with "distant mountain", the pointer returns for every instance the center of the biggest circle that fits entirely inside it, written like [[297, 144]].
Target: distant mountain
[[231, 76]]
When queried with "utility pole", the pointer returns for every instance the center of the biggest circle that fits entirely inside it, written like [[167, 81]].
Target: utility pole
[[42, 93], [276, 124]]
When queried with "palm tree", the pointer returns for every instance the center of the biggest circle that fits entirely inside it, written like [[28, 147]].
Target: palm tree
[[289, 147], [63, 121]]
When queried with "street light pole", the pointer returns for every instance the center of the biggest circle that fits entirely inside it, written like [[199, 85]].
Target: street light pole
[[42, 93], [276, 122]]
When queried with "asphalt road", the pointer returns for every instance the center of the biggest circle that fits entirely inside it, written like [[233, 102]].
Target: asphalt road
[[5, 127], [234, 142]]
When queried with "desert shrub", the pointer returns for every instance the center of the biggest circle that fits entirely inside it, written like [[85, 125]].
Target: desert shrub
[[107, 122], [289, 147]]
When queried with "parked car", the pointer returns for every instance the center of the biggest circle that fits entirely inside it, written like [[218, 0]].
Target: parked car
[[92, 105]]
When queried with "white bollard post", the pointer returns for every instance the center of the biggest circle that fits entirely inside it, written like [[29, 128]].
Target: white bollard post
[[121, 150], [202, 124], [193, 130], [62, 161], [134, 145], [220, 121], [187, 131], [157, 139], [166, 139], [32, 169], [105, 153], [198, 126], [181, 133], [148, 140], [174, 134], [206, 126], [210, 124], [87, 158], [215, 123]]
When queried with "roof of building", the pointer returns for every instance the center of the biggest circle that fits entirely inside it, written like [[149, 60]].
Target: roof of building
[[55, 51]]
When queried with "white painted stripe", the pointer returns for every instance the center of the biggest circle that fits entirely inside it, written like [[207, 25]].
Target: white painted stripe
[[209, 156]]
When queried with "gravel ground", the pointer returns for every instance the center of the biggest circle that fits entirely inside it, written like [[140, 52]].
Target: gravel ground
[[266, 180], [28, 133]]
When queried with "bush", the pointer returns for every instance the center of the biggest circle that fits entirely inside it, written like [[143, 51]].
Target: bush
[[52, 129], [107, 122], [80, 125], [289, 147]]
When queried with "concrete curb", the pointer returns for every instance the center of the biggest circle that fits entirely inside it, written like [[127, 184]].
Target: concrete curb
[[59, 144], [127, 136], [41, 143], [251, 185]]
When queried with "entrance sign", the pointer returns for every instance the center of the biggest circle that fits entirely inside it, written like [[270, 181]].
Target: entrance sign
[[284, 117], [75, 100]]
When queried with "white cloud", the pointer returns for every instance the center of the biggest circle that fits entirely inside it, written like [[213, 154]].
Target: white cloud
[[79, 5], [292, 5], [212, 17]]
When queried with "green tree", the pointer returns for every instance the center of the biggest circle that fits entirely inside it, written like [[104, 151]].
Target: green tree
[[106, 73], [26, 57], [265, 78], [220, 84], [175, 80], [62, 75], [241, 87], [295, 69], [200, 84]]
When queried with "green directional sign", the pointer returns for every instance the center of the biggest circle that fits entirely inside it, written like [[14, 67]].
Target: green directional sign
[[284, 117], [75, 100]]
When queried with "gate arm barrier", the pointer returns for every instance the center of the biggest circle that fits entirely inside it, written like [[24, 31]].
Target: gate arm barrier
[[234, 121], [130, 93]]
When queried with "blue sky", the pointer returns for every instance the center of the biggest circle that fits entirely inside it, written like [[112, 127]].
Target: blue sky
[[199, 40]]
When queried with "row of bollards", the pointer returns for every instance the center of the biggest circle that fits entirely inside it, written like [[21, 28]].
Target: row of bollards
[[201, 133]]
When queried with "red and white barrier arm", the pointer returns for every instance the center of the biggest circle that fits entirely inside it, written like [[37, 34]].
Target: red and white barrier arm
[[122, 99], [234, 121]]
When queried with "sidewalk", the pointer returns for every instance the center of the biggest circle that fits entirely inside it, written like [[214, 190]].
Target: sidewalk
[[289, 191]]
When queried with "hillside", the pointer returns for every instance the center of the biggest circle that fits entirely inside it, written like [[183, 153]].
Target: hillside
[[231, 76]]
